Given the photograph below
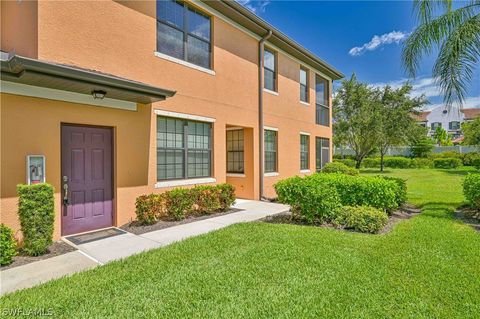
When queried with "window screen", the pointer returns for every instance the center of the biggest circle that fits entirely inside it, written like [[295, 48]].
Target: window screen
[[269, 70], [235, 152], [304, 151], [183, 149], [183, 32], [303, 85], [322, 115], [322, 152], [270, 151]]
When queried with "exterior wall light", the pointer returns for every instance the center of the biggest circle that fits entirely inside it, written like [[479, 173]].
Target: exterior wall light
[[98, 94]]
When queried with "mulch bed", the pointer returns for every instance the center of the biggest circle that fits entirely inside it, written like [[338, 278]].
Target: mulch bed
[[138, 229], [469, 216], [55, 249], [405, 212]]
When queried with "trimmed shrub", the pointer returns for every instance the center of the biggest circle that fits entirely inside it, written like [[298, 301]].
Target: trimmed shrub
[[179, 203], [448, 154], [469, 159], [401, 191], [226, 194], [471, 189], [362, 190], [150, 208], [336, 167], [206, 199], [476, 163], [447, 162], [397, 162], [370, 162], [7, 245], [419, 162], [364, 219], [36, 212], [347, 161], [308, 200]]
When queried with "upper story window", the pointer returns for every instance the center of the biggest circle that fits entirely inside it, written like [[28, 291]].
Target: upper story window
[[269, 70], [183, 33], [454, 125], [303, 85], [184, 149], [434, 125], [322, 115]]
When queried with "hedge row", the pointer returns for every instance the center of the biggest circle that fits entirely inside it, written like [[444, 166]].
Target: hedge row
[[183, 202], [405, 162], [327, 198], [466, 159], [471, 189], [337, 167]]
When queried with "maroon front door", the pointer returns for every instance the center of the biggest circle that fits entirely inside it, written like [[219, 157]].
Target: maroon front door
[[87, 195]]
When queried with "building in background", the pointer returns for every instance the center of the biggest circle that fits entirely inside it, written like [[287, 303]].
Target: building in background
[[450, 120]]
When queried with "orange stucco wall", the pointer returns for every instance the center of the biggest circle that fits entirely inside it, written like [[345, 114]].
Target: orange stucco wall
[[120, 38]]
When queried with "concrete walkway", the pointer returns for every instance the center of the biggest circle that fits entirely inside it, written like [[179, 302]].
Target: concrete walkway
[[102, 251]]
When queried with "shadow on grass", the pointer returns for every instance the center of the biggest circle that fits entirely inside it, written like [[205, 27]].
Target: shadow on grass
[[374, 171], [458, 172]]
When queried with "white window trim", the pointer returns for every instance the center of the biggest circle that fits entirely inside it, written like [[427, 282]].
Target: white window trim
[[270, 91], [305, 133], [236, 128], [305, 171], [270, 128], [235, 175], [271, 174], [184, 63], [184, 182], [185, 116], [304, 103]]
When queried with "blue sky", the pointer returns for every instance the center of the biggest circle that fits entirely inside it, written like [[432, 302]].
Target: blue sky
[[364, 37]]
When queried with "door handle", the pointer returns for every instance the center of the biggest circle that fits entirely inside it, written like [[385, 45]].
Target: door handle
[[65, 192]]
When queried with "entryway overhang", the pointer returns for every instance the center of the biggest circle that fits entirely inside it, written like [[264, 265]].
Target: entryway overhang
[[32, 77]]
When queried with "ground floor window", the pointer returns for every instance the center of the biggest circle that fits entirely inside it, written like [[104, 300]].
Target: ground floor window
[[271, 141], [322, 152], [235, 151], [183, 149], [304, 151]]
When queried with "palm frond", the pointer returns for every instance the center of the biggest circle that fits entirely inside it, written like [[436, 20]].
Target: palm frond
[[459, 56], [425, 9]]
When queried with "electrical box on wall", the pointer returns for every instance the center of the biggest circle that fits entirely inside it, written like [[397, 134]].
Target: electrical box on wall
[[35, 169]]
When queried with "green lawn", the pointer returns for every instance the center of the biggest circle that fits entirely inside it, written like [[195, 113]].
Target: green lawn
[[427, 267]]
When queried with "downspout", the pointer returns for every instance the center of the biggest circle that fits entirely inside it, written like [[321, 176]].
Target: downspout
[[261, 46]]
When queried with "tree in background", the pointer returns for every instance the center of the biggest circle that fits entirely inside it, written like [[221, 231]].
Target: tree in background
[[441, 137], [356, 113], [396, 122], [421, 145], [471, 132], [456, 35]]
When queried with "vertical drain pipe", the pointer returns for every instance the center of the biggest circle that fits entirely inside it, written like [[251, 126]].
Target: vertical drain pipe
[[261, 46]]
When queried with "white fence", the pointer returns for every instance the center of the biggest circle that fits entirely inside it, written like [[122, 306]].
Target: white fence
[[405, 150]]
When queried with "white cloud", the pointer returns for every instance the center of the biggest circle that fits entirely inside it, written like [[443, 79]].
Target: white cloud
[[469, 103], [426, 86], [378, 41], [257, 6]]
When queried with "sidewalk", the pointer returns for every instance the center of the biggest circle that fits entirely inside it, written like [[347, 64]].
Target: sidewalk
[[102, 251]]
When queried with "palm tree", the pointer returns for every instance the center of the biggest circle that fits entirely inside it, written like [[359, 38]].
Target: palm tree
[[455, 33]]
